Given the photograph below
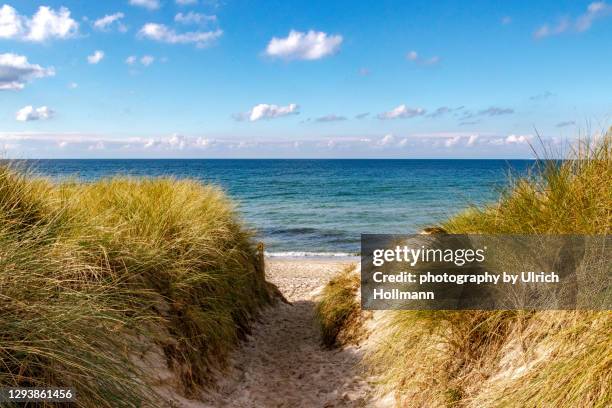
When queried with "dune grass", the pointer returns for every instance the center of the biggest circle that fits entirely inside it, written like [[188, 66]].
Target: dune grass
[[91, 274], [338, 313], [511, 358], [445, 358]]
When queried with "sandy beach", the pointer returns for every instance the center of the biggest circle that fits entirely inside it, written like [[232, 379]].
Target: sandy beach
[[283, 363]]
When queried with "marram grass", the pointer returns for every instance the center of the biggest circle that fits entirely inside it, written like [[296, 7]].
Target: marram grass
[[337, 313], [511, 358], [92, 273]]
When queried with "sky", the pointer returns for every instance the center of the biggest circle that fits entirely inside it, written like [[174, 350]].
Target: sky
[[301, 79]]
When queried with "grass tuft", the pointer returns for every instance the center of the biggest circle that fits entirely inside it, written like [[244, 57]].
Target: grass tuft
[[338, 312]]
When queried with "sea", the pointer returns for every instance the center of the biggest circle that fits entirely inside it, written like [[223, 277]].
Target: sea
[[302, 208]]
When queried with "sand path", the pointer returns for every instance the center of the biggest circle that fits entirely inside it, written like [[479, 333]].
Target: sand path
[[283, 363]]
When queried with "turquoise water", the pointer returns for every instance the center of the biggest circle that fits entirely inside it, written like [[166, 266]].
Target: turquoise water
[[322, 206]]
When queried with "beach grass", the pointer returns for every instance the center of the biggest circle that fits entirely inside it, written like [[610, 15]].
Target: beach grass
[[92, 275], [337, 313], [511, 358]]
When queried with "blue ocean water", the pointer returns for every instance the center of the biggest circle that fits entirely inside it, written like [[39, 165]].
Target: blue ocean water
[[322, 206]]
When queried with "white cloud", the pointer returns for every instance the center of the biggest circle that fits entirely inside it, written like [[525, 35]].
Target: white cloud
[[386, 140], [104, 23], [594, 11], [73, 85], [437, 144], [97, 146], [162, 33], [267, 111], [147, 60], [312, 45], [186, 2], [29, 113], [96, 57], [45, 24], [583, 22], [401, 112], [414, 57], [148, 4], [11, 23], [546, 30], [514, 139], [452, 141], [194, 18], [177, 141], [15, 71]]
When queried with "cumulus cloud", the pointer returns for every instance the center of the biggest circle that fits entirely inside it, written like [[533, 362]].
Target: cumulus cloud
[[16, 71], [194, 18], [330, 118], [517, 139], [162, 33], [29, 113], [45, 24], [106, 22], [402, 112], [131, 60], [148, 4], [417, 59], [267, 111], [595, 10], [186, 2], [96, 57], [312, 45]]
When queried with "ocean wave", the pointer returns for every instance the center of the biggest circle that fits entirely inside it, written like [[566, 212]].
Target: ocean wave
[[306, 254]]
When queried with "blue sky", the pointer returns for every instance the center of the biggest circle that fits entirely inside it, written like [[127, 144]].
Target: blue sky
[[206, 78]]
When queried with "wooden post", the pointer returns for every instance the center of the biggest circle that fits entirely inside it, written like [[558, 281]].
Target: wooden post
[[261, 262]]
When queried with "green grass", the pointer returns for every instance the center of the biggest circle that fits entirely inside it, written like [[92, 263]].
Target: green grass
[[450, 358], [91, 274]]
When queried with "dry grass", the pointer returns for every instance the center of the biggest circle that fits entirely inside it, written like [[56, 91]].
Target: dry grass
[[338, 313], [512, 358], [86, 269]]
